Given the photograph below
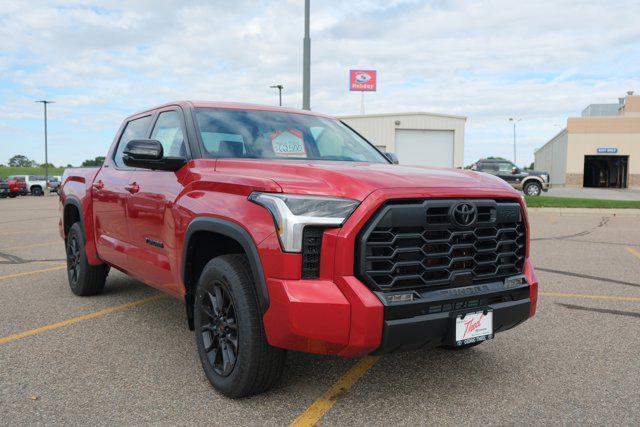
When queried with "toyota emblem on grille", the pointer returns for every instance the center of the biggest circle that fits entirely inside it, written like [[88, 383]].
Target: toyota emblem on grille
[[464, 214]]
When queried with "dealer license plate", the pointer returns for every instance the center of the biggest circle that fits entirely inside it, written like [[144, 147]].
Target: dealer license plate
[[474, 327]]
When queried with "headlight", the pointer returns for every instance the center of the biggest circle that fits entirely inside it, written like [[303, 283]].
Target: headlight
[[291, 213]]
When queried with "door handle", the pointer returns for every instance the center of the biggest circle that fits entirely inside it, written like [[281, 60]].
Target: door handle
[[132, 188], [98, 185]]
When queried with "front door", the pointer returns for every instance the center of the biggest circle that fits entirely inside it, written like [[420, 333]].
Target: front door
[[505, 171], [150, 208], [109, 195]]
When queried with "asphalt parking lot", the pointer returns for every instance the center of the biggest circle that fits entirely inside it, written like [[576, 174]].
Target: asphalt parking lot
[[127, 357]]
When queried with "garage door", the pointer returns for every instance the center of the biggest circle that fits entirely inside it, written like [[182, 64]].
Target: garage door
[[425, 147]]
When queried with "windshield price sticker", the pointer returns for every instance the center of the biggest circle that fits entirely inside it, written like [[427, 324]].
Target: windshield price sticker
[[288, 143]]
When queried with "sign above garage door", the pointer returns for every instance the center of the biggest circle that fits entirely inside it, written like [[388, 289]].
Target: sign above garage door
[[607, 150]]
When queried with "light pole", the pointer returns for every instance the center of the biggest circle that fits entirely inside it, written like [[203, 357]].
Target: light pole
[[279, 87], [306, 61], [46, 151], [514, 120]]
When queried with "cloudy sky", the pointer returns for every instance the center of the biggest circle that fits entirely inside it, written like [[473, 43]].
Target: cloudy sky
[[541, 61]]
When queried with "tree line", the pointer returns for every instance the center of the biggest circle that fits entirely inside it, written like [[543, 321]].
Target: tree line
[[22, 161]]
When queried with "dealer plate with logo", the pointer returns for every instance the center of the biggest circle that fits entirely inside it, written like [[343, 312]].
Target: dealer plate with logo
[[473, 327]]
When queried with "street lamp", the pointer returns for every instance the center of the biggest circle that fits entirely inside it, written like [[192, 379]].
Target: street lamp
[[514, 120], [46, 151], [306, 60], [279, 87]]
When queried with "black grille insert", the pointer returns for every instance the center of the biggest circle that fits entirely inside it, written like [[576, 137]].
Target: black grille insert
[[311, 248], [416, 245]]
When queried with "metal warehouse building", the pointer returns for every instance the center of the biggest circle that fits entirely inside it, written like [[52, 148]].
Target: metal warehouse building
[[599, 149], [424, 139]]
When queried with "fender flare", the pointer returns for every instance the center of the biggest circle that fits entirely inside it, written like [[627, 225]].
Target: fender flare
[[70, 200], [239, 234], [531, 178]]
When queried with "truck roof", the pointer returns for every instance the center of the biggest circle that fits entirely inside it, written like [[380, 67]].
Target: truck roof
[[230, 105]]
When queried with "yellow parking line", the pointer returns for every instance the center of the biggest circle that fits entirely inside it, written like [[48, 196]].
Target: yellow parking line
[[321, 406], [77, 319], [33, 245], [28, 273], [632, 251], [588, 296], [31, 232]]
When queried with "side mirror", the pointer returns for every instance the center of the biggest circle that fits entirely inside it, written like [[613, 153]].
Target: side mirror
[[149, 154], [514, 170], [392, 158]]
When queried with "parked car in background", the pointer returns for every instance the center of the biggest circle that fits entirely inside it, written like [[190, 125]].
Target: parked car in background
[[36, 184], [17, 187], [54, 184], [530, 182], [4, 188], [284, 229]]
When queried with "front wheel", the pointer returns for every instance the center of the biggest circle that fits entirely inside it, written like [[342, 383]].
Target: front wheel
[[84, 278], [532, 189], [230, 337], [37, 191]]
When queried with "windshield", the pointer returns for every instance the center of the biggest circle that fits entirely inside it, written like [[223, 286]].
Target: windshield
[[274, 135]]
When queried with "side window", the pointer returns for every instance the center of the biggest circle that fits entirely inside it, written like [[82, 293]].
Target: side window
[[169, 132], [505, 167], [135, 129]]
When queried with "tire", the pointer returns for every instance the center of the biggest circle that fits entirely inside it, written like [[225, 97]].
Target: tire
[[13, 195], [532, 189], [37, 191], [84, 279], [230, 337]]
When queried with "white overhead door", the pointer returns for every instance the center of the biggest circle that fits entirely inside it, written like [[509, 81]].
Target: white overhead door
[[425, 147]]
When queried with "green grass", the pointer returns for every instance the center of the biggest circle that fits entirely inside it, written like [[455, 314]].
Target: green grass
[[8, 170], [570, 202]]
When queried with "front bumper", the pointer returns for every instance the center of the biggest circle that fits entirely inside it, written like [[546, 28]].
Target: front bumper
[[338, 314], [345, 318], [432, 330]]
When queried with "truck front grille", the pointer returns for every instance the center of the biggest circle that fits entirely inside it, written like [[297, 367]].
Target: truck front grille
[[420, 244]]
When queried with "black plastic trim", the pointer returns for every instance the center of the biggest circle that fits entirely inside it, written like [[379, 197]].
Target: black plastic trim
[[71, 200], [240, 235], [433, 330]]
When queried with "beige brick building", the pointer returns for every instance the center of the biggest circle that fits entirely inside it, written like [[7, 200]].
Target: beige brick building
[[599, 149]]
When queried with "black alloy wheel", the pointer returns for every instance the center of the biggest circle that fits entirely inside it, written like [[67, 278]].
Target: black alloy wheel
[[220, 329], [73, 259]]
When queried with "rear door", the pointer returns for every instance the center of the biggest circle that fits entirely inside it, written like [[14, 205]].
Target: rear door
[[150, 211], [110, 198]]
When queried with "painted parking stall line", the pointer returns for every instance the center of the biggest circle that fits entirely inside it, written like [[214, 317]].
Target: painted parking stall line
[[77, 319]]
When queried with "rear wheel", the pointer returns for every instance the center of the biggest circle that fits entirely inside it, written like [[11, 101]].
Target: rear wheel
[[36, 191], [84, 278], [12, 195], [230, 337], [532, 188]]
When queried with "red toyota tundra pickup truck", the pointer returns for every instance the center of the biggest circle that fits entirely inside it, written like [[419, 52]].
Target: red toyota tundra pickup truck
[[285, 229]]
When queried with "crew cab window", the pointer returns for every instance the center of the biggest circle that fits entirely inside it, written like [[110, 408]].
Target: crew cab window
[[168, 132], [280, 135], [505, 167], [488, 167], [134, 129]]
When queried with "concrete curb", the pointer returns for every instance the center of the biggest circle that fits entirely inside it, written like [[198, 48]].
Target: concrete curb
[[598, 211]]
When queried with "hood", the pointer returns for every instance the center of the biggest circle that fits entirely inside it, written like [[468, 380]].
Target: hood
[[355, 180]]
